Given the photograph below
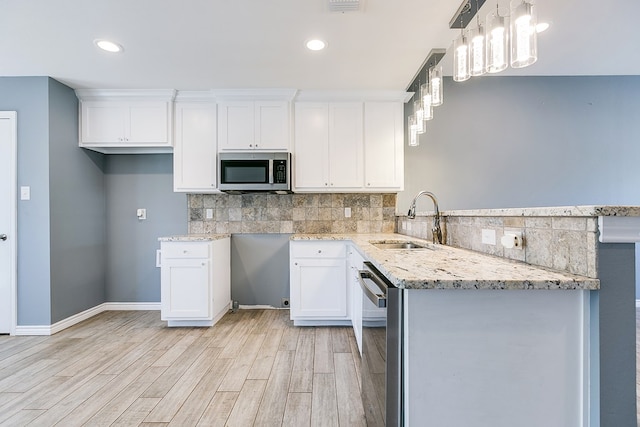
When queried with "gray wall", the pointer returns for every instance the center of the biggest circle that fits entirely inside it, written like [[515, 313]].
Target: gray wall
[[500, 142], [132, 182], [77, 209], [28, 96], [60, 230]]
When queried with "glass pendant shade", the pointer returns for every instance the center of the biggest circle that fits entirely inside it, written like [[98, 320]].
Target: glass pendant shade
[[477, 53], [461, 59], [427, 108], [497, 40], [435, 83], [413, 131], [419, 114], [524, 39]]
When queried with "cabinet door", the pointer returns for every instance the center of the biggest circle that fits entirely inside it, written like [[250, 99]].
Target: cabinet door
[[194, 155], [102, 122], [148, 123], [271, 125], [345, 145], [383, 145], [311, 156], [185, 290], [235, 125], [318, 288]]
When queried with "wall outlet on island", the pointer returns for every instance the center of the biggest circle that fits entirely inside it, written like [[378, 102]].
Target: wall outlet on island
[[488, 236], [347, 212]]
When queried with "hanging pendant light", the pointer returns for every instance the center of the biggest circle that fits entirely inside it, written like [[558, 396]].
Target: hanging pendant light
[[497, 43], [418, 112], [427, 108], [524, 38], [413, 131], [435, 83], [461, 58], [477, 53]]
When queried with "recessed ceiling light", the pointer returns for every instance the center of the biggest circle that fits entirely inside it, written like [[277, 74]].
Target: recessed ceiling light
[[109, 46], [316, 44], [542, 26]]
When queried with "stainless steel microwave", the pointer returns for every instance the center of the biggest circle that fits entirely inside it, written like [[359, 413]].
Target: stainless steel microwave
[[254, 172]]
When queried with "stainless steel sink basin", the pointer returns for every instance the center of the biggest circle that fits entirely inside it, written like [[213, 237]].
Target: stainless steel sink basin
[[397, 245]]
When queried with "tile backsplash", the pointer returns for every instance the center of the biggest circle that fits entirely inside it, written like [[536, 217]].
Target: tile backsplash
[[561, 243], [292, 213]]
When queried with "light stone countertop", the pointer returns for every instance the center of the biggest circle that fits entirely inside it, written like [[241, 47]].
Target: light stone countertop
[[194, 238], [574, 211], [446, 267]]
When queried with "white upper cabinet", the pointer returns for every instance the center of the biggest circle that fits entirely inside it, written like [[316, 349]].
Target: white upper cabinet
[[194, 154], [383, 146], [346, 145], [328, 146], [253, 125], [120, 121]]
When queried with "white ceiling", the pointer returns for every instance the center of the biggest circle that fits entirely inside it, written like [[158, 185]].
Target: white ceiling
[[204, 44]]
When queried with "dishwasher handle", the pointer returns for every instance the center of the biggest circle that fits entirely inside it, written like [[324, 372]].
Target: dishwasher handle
[[379, 300]]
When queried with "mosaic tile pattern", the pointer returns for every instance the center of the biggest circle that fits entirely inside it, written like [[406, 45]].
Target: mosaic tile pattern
[[292, 213], [561, 243]]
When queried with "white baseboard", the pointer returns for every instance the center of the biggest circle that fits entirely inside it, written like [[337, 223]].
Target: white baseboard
[[77, 318]]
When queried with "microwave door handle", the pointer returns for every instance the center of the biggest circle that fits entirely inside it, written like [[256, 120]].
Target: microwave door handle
[[270, 171]]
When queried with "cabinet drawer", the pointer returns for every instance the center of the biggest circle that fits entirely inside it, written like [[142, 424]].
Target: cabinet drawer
[[185, 250], [315, 249]]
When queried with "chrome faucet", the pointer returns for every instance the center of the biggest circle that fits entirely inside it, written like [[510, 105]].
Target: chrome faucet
[[437, 231]]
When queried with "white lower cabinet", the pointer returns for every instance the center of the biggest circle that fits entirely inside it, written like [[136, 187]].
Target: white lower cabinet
[[195, 282], [319, 293]]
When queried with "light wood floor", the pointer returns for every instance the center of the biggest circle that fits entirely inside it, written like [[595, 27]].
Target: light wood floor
[[129, 369]]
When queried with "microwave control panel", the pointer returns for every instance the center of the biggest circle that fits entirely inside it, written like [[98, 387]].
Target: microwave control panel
[[280, 171]]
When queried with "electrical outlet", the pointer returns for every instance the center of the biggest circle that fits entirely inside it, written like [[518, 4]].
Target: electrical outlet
[[347, 212], [209, 214], [141, 213]]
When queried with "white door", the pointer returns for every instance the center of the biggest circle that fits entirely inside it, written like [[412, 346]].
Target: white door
[[8, 246]]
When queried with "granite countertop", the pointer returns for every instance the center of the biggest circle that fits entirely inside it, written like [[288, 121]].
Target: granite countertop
[[446, 267], [574, 211], [194, 237]]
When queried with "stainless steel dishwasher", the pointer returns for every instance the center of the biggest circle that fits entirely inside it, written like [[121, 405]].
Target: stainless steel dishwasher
[[381, 369]]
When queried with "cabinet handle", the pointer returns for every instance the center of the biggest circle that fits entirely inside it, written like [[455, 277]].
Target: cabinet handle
[[319, 251], [203, 264], [185, 251], [250, 145], [325, 184], [295, 263]]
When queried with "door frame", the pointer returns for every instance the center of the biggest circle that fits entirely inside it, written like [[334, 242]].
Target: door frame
[[12, 116]]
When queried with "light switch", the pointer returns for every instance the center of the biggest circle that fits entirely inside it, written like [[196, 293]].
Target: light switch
[[25, 193], [488, 236]]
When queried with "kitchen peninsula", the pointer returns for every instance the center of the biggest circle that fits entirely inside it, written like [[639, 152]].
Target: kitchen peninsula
[[483, 337]]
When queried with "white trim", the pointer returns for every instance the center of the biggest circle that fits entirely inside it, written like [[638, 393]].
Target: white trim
[[77, 318], [126, 94], [131, 306], [12, 116], [638, 303]]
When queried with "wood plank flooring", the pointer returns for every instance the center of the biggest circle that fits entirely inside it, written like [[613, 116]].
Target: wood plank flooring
[[126, 368]]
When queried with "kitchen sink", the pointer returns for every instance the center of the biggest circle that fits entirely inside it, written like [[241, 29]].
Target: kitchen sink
[[398, 245]]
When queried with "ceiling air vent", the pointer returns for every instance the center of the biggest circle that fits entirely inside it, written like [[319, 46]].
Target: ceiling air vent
[[344, 5]]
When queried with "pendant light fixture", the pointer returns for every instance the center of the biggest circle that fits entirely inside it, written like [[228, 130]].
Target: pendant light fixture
[[435, 83], [477, 52], [497, 43], [427, 108], [524, 37], [413, 131], [461, 58], [418, 112]]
